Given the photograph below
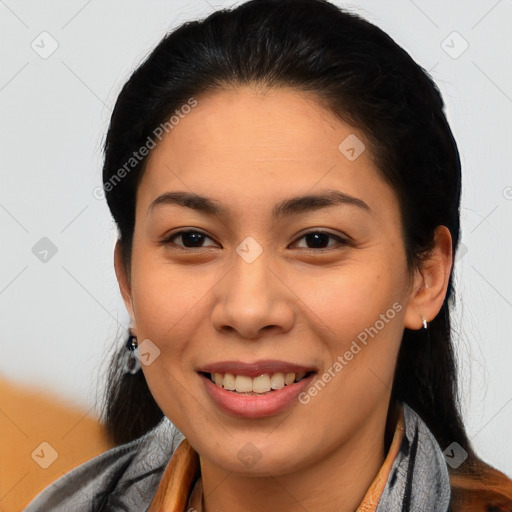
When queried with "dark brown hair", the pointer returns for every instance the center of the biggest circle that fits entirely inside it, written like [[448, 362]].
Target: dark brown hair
[[359, 73]]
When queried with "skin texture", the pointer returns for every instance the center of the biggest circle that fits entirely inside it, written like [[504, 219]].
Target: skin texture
[[249, 149]]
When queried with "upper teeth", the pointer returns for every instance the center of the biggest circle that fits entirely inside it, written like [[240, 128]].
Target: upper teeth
[[261, 384]]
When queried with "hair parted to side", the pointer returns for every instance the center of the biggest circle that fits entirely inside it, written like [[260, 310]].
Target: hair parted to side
[[359, 73]]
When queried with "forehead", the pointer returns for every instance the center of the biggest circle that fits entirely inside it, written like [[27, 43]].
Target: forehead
[[278, 124], [253, 145]]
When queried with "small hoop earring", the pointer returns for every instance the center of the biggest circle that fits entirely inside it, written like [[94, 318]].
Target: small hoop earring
[[132, 364], [425, 324]]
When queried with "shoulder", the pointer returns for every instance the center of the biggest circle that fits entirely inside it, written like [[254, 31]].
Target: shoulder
[[474, 486], [480, 488], [126, 476]]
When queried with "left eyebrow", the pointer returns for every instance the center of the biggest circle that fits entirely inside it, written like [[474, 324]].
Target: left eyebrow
[[287, 207]]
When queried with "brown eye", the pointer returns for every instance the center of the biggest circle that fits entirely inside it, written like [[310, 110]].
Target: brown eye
[[189, 239], [320, 239]]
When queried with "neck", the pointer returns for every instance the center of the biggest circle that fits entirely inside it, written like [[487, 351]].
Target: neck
[[338, 481]]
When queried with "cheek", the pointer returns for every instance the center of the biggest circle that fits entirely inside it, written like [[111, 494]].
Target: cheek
[[350, 299], [358, 311], [361, 312], [166, 312], [163, 296]]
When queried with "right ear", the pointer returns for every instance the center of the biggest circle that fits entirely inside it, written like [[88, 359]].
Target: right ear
[[123, 280]]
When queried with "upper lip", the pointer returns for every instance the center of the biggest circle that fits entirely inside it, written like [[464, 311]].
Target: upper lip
[[256, 368]]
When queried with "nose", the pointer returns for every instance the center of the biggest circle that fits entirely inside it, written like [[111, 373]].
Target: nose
[[253, 298]]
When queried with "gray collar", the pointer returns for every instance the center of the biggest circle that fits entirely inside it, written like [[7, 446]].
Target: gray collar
[[126, 478]]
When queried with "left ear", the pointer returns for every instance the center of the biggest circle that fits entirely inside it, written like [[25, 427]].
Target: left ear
[[430, 282]]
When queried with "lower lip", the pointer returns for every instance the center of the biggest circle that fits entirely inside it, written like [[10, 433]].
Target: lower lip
[[255, 406]]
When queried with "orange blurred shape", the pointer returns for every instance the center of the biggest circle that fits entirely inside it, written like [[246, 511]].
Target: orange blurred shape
[[41, 438]]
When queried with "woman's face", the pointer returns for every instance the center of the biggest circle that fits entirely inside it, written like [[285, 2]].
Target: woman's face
[[320, 284]]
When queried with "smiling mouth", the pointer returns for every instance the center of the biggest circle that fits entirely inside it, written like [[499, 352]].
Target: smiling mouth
[[262, 384]]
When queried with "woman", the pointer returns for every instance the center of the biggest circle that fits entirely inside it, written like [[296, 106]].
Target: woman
[[287, 191]]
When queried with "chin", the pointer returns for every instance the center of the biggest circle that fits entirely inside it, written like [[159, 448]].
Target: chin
[[254, 458]]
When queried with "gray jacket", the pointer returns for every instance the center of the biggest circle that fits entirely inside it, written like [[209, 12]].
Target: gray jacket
[[126, 478]]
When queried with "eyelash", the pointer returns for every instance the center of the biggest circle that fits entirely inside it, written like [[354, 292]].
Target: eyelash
[[341, 241]]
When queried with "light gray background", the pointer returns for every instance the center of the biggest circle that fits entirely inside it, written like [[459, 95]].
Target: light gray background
[[60, 318]]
